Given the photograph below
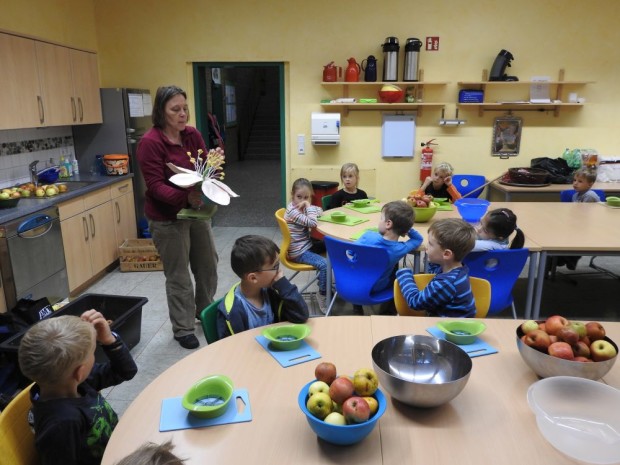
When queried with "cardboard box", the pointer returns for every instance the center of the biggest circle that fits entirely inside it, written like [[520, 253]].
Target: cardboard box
[[139, 255]]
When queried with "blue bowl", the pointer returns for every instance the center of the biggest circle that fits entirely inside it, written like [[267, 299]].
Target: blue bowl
[[49, 175], [472, 210], [336, 434]]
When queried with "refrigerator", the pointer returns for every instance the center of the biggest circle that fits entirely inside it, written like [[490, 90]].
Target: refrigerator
[[126, 117]]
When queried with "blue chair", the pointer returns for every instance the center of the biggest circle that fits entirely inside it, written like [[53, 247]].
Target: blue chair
[[466, 183], [567, 195], [502, 269], [356, 269]]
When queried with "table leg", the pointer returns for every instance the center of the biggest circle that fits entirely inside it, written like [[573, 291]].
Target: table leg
[[328, 281], [540, 279], [531, 280], [416, 261]]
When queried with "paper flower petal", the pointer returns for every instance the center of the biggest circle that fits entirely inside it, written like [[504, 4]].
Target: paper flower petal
[[185, 179], [221, 185], [178, 169], [215, 193]]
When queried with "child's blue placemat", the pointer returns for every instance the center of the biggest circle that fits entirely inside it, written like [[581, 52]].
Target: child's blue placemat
[[287, 358], [478, 348], [175, 417]]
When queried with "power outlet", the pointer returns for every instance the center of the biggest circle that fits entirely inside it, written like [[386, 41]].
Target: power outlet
[[301, 144]]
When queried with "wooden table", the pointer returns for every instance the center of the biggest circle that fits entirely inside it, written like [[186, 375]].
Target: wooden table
[[547, 193], [489, 422]]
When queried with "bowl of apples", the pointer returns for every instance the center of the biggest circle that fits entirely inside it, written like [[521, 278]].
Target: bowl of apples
[[560, 347], [423, 206], [342, 410]]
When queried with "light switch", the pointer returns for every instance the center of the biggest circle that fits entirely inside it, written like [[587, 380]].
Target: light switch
[[301, 144]]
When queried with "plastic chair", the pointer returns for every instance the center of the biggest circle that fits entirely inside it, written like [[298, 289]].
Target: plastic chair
[[481, 288], [16, 437], [466, 183], [325, 201], [567, 195], [356, 269], [286, 242], [502, 269], [208, 320]]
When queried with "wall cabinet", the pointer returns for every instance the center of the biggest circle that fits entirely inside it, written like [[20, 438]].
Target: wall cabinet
[[124, 212], [43, 84], [501, 96]]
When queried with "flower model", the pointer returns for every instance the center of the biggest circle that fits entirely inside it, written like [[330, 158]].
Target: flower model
[[208, 172]]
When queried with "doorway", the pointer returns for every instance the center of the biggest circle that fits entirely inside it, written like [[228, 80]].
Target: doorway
[[247, 100]]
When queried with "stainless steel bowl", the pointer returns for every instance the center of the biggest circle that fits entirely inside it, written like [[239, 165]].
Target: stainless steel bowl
[[421, 371], [544, 365]]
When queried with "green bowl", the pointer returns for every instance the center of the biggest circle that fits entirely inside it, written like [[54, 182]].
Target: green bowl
[[613, 201], [424, 214], [339, 217], [360, 202], [209, 397], [462, 332], [286, 337], [441, 200]]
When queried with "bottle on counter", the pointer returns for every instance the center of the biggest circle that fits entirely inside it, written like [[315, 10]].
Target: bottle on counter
[[75, 166], [63, 173], [68, 166]]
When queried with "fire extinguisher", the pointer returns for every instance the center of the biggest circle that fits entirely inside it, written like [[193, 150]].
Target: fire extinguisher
[[426, 161]]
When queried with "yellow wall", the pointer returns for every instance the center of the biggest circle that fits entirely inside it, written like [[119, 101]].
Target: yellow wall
[[148, 43]]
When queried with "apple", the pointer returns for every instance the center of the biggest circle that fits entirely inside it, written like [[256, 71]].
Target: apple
[[341, 389], [15, 195], [373, 404], [421, 203], [582, 359], [62, 188], [600, 350], [580, 328], [355, 410], [365, 382], [568, 334], [529, 325], [335, 418], [554, 323], [581, 349], [336, 407], [50, 192], [326, 372], [319, 405], [537, 339], [26, 193], [561, 350], [39, 193], [318, 386], [542, 327], [5, 196], [553, 339], [595, 331]]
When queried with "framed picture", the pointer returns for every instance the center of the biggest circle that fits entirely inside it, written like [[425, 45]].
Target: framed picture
[[507, 136]]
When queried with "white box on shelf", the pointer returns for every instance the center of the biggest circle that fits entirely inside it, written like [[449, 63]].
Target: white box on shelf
[[325, 128]]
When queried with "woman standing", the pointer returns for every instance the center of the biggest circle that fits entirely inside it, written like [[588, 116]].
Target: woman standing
[[182, 244]]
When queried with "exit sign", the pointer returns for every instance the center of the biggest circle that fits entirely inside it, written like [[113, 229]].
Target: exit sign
[[432, 44]]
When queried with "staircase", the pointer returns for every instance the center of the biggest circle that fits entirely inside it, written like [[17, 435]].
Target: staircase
[[264, 139]]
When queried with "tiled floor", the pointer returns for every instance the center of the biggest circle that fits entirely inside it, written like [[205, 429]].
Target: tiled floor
[[591, 298]]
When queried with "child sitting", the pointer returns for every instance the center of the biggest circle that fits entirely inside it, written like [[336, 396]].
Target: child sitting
[[72, 420], [448, 294], [152, 454], [440, 183], [495, 229], [301, 216], [264, 295], [350, 176], [583, 179]]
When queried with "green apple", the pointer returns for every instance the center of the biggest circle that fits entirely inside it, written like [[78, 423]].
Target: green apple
[[580, 328], [365, 382], [318, 386], [335, 418], [319, 405], [373, 404], [50, 192], [336, 407], [5, 196], [529, 325]]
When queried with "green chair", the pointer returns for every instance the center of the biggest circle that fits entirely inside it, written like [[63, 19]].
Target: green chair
[[325, 201], [208, 319]]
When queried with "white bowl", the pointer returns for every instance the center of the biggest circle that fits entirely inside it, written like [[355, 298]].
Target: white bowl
[[579, 417]]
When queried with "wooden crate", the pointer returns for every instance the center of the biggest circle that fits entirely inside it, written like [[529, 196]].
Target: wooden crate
[[139, 255]]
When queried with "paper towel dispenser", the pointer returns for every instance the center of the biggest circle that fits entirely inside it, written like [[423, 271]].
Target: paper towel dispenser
[[325, 128]]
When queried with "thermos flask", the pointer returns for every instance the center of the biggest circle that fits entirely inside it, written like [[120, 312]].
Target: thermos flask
[[412, 53], [369, 66], [390, 59]]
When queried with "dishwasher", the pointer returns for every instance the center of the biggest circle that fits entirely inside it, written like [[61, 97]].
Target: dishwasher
[[32, 258]]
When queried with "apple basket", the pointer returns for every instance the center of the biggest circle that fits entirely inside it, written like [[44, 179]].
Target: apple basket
[[391, 94], [341, 434], [545, 365]]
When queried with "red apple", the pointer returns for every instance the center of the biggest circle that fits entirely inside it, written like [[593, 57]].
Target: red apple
[[355, 410], [553, 339], [326, 372], [561, 350], [340, 390], [602, 350], [586, 340], [582, 359], [580, 349], [537, 339], [421, 203], [568, 334], [542, 327], [595, 331], [529, 325], [555, 323]]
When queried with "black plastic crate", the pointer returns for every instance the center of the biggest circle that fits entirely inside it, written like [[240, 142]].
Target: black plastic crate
[[124, 312]]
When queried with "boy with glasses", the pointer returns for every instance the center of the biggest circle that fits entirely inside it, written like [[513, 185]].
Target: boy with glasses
[[264, 295]]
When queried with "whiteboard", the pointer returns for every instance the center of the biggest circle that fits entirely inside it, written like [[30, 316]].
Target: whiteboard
[[398, 136]]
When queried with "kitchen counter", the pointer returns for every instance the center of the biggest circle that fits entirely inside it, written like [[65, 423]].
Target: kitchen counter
[[27, 206]]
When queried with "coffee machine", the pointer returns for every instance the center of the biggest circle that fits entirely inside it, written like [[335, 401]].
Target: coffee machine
[[503, 59]]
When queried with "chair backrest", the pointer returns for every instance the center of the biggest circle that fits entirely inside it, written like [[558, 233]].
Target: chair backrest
[[356, 269], [16, 437], [567, 195], [501, 268], [208, 320], [325, 201], [466, 183], [480, 288], [286, 242]]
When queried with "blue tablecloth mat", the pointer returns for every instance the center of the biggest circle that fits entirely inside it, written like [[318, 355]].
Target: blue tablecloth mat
[[478, 348], [287, 358]]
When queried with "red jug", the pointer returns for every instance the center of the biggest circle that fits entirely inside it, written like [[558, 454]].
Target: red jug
[[352, 74], [330, 72]]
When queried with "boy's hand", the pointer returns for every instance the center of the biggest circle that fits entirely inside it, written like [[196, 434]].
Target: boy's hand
[[279, 275], [448, 181], [104, 334]]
